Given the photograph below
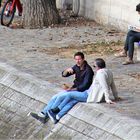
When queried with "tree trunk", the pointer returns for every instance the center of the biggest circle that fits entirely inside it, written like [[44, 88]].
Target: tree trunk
[[40, 13]]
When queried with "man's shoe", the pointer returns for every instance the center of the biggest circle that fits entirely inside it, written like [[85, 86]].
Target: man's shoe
[[52, 116], [55, 110], [128, 62], [121, 54], [40, 117], [57, 117], [19, 14]]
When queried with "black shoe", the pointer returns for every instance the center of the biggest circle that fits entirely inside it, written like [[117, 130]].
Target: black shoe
[[40, 118], [52, 116], [55, 110]]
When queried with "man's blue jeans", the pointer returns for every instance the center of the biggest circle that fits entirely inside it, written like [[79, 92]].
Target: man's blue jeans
[[72, 95], [132, 37], [55, 102]]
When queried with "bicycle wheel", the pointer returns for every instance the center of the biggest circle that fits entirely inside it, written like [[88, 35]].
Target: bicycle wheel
[[76, 7], [0, 2], [7, 15]]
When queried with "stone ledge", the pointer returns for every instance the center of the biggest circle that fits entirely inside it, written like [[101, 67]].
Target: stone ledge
[[94, 121], [84, 121], [26, 84]]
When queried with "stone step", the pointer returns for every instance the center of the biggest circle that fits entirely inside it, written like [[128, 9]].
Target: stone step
[[93, 121], [21, 93]]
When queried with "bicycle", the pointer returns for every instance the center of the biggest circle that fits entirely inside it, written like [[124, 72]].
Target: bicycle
[[0, 2], [8, 11]]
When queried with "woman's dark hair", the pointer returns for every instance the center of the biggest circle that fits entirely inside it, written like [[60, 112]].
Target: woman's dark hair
[[100, 63], [138, 7], [79, 54]]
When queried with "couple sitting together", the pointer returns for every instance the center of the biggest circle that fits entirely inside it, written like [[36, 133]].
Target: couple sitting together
[[85, 89]]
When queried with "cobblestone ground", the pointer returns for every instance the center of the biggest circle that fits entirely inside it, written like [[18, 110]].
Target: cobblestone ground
[[44, 53]]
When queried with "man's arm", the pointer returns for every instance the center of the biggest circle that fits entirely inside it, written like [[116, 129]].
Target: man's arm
[[68, 72], [114, 90]]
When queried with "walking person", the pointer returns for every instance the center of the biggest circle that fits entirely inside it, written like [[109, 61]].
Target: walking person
[[0, 2]]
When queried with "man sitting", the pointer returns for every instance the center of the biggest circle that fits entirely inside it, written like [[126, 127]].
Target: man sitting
[[83, 79], [98, 91]]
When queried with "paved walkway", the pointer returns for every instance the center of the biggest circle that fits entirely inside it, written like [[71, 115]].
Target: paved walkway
[[40, 53], [43, 54]]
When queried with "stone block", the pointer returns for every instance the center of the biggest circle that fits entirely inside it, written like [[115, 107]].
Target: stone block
[[17, 96], [85, 113], [14, 106], [72, 122], [5, 102], [111, 125], [2, 73], [8, 93], [107, 136], [20, 84], [23, 111], [2, 90], [3, 137], [95, 133], [6, 115], [87, 129], [101, 120], [134, 133], [2, 100], [64, 132], [8, 79], [5, 128], [124, 129]]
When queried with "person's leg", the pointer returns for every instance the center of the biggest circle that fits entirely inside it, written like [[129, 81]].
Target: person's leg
[[132, 40], [79, 96], [129, 34], [131, 47], [43, 115], [59, 100], [66, 108], [76, 95], [126, 45], [53, 101]]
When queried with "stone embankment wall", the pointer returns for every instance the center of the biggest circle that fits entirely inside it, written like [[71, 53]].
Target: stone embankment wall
[[21, 93], [116, 13]]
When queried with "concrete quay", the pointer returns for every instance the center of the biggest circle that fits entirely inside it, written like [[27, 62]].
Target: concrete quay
[[30, 74]]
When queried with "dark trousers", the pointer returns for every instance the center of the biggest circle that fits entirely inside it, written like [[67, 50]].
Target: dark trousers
[[131, 37]]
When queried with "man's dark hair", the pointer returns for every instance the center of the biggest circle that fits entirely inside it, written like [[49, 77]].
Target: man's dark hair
[[100, 63], [138, 7], [79, 54]]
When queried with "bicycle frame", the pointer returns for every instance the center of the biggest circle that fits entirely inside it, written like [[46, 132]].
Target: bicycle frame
[[18, 5], [8, 11], [0, 2]]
